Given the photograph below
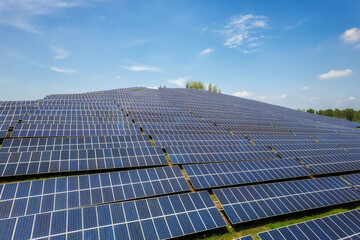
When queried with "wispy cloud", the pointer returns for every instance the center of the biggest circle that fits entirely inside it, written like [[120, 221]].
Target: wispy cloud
[[304, 88], [180, 81], [139, 68], [351, 98], [206, 51], [19, 13], [61, 70], [60, 53], [118, 77], [335, 73], [244, 31], [298, 24], [242, 94]]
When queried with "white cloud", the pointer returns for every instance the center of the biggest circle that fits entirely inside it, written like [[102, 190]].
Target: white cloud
[[206, 51], [60, 53], [351, 36], [282, 96], [243, 31], [335, 73], [138, 68], [180, 81], [304, 88], [262, 97], [243, 94], [118, 77], [61, 70], [351, 98], [19, 13], [155, 87]]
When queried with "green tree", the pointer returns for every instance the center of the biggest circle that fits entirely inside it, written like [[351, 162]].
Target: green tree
[[357, 116], [338, 113], [329, 112], [349, 114], [209, 87], [214, 88], [219, 90], [320, 112], [310, 110], [187, 84]]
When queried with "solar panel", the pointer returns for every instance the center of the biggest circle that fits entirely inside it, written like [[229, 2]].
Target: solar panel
[[74, 143], [339, 226], [201, 140], [333, 163], [26, 163], [154, 218], [353, 179], [249, 237], [52, 130], [39, 196], [206, 154], [231, 173], [243, 204], [3, 130]]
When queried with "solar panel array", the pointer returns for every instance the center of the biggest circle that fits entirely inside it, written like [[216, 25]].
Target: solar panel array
[[120, 164], [248, 203], [340, 226]]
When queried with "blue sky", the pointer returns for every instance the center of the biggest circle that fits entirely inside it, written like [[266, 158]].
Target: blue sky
[[298, 54]]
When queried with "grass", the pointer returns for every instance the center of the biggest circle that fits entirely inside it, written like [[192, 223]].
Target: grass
[[253, 228]]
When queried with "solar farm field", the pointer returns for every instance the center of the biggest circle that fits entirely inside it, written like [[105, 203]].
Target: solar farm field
[[139, 163]]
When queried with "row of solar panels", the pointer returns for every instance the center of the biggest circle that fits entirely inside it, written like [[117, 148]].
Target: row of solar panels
[[338, 226], [240, 203], [160, 217]]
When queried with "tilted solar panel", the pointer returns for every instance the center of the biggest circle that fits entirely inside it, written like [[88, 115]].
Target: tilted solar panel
[[249, 203], [207, 154], [74, 143], [39, 196], [231, 173], [340, 226], [333, 163], [153, 218], [26, 163]]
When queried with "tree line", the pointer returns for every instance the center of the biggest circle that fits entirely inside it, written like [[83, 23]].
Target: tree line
[[200, 85], [348, 113]]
